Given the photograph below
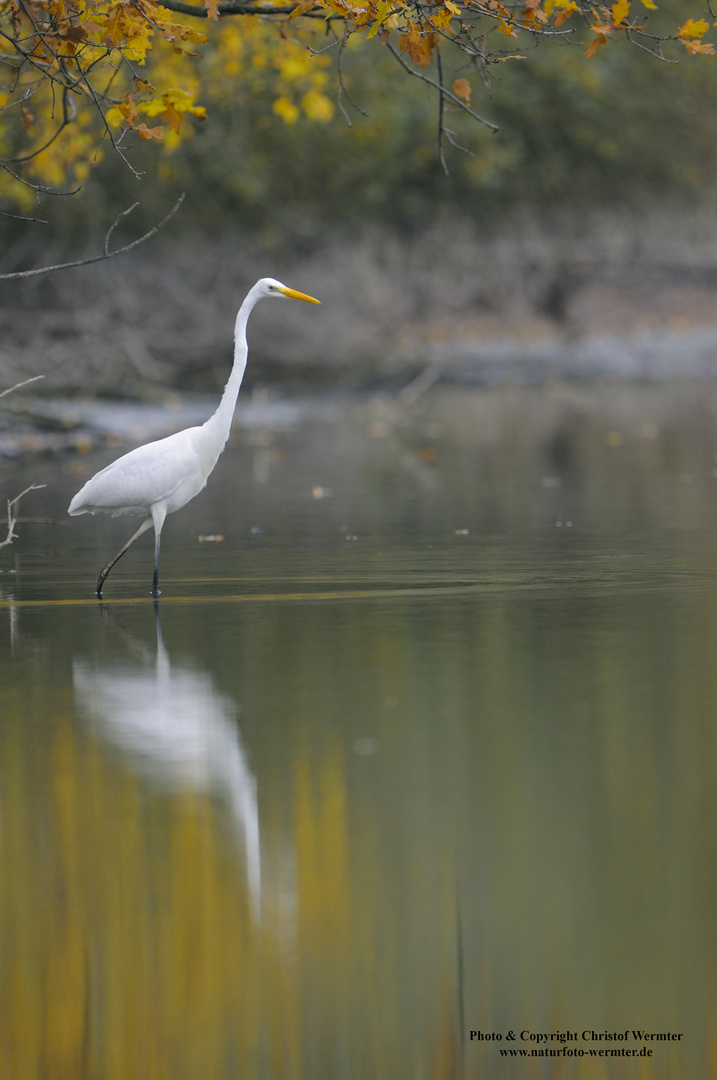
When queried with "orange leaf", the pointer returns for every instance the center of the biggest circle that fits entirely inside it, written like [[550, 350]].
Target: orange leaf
[[212, 7], [462, 89], [697, 47], [128, 109], [595, 44], [150, 133], [505, 29]]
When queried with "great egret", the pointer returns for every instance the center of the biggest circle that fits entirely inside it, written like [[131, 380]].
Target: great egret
[[154, 480]]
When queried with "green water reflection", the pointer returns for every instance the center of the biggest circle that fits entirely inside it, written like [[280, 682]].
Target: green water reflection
[[343, 801]]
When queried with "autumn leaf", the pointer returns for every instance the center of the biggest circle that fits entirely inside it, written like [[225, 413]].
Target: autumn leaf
[[563, 9], [417, 43], [212, 9], [692, 29], [695, 48], [533, 13], [462, 89], [595, 44], [620, 11], [382, 11], [503, 28], [128, 109], [301, 8], [150, 133]]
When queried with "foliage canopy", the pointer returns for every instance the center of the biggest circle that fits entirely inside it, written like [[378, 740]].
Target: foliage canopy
[[78, 77]]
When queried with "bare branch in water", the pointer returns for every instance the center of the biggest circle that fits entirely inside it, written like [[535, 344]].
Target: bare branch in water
[[12, 505]]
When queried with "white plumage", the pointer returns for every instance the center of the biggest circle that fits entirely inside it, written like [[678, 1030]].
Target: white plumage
[[156, 479]]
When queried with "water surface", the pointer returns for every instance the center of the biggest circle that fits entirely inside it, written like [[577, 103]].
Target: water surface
[[424, 745]]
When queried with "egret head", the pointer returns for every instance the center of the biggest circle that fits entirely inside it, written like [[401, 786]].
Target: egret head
[[272, 287]]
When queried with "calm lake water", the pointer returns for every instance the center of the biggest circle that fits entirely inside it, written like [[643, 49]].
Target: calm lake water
[[424, 746]]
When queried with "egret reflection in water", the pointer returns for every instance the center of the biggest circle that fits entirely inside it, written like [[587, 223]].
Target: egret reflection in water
[[177, 729]]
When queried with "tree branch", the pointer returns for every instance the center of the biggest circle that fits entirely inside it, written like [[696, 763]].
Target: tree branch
[[11, 504], [448, 94], [105, 254], [17, 386], [235, 7]]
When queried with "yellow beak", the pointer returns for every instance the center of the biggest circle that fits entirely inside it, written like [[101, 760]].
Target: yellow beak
[[298, 295]]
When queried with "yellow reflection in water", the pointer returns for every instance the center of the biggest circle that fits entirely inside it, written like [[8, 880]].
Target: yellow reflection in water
[[484, 811]]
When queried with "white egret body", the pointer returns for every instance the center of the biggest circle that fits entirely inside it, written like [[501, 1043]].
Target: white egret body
[[161, 477]]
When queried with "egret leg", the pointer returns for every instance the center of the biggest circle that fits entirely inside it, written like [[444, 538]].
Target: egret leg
[[158, 515], [105, 571], [155, 575]]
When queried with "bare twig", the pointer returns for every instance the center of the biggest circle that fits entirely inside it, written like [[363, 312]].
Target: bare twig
[[11, 506], [13, 503], [116, 223], [105, 254], [342, 89], [23, 217], [447, 94], [39, 188], [441, 121], [17, 386]]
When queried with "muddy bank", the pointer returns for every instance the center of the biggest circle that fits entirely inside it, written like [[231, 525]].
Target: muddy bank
[[530, 300]]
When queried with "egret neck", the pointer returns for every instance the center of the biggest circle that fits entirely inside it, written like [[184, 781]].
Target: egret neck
[[212, 435]]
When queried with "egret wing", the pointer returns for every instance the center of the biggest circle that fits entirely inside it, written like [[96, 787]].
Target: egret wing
[[139, 479]]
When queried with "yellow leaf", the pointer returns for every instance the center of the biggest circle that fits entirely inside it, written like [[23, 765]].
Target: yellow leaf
[[114, 116], [649, 5], [286, 109], [620, 11], [317, 107], [382, 11], [212, 9], [565, 9], [692, 29]]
